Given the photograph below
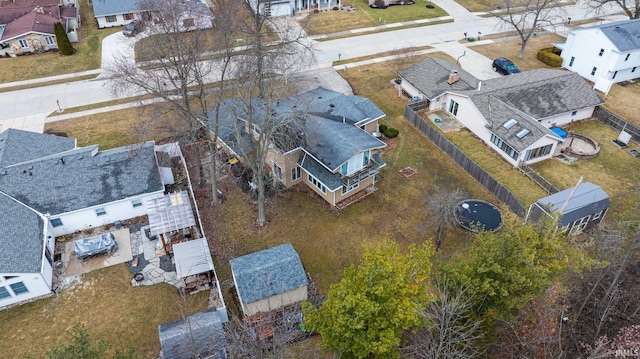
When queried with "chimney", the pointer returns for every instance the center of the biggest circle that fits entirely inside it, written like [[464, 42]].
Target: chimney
[[39, 10], [453, 77]]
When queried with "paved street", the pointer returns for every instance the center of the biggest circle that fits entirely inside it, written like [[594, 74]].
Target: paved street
[[32, 105]]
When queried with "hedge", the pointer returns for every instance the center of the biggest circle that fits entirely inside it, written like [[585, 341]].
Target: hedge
[[550, 56]]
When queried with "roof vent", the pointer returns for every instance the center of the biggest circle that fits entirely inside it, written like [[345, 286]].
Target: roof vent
[[453, 77], [332, 105]]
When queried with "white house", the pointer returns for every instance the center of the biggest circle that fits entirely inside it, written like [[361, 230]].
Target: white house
[[49, 187], [512, 114], [604, 54], [110, 13]]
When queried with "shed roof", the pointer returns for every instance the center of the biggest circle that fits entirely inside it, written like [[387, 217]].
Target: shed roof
[[267, 273], [169, 213], [197, 336], [585, 195], [21, 237], [192, 257]]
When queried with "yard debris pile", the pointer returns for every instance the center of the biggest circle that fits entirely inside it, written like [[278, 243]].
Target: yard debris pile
[[407, 172]]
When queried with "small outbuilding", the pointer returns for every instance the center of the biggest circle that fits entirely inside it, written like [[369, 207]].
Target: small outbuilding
[[580, 207], [269, 279], [197, 336]]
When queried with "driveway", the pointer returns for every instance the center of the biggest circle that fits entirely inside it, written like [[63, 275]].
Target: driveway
[[117, 47]]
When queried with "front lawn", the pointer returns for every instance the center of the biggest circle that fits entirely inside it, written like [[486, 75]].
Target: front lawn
[[509, 47]]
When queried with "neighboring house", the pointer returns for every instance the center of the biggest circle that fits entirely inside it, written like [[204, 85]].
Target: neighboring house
[[200, 335], [27, 26], [192, 15], [512, 114], [269, 280], [331, 148], [110, 13], [49, 187], [289, 7], [604, 54], [580, 207]]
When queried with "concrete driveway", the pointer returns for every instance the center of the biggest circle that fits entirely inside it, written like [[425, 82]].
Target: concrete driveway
[[117, 47]]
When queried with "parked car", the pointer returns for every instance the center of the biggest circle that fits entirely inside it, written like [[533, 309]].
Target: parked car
[[133, 28], [505, 66], [89, 247]]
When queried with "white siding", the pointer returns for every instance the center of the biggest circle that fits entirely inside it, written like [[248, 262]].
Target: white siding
[[568, 117], [34, 282]]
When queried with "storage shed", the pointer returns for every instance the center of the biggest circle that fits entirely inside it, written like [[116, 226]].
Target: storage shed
[[269, 279], [582, 208]]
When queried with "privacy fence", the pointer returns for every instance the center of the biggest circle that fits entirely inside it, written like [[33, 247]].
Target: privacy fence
[[617, 123], [477, 172]]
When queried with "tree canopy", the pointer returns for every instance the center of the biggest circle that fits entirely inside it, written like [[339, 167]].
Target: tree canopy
[[64, 45], [368, 310]]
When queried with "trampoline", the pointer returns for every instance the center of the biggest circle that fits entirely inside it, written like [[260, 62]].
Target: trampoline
[[477, 215]]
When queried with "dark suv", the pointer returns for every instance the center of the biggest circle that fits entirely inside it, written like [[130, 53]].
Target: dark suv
[[505, 66], [132, 28]]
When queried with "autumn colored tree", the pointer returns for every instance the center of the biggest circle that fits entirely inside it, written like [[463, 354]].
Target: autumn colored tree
[[64, 45], [367, 312], [506, 269]]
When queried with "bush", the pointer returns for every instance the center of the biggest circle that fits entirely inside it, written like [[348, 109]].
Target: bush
[[335, 8], [315, 11], [64, 45], [382, 128], [391, 132], [549, 57]]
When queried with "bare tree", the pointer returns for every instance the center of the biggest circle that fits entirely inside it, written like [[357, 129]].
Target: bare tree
[[452, 330], [526, 17], [439, 211], [630, 7]]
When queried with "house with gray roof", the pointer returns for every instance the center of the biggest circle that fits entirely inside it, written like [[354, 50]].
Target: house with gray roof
[[50, 187], [327, 141], [200, 335], [512, 114], [269, 279], [578, 207], [604, 54], [110, 13], [27, 25]]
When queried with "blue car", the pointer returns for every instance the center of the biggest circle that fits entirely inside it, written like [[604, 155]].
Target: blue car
[[505, 66]]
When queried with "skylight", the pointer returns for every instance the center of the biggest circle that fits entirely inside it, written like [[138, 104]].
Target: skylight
[[509, 124], [522, 133]]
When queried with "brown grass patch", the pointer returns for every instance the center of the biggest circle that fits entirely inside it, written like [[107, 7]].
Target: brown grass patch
[[509, 47], [623, 100]]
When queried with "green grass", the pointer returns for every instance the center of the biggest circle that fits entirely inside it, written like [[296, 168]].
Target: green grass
[[87, 56], [326, 22]]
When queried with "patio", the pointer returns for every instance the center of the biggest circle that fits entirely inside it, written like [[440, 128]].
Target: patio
[[444, 121]]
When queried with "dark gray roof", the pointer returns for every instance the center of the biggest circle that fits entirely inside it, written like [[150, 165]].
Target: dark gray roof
[[430, 77], [625, 35], [111, 7], [18, 146], [500, 113], [539, 93], [82, 178], [587, 199], [21, 237], [198, 336], [331, 180], [267, 273]]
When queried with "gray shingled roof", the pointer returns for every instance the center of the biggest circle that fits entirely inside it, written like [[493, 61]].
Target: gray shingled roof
[[539, 93], [331, 180], [111, 7], [267, 273], [197, 336], [21, 237], [19, 146], [625, 35], [82, 178], [430, 77]]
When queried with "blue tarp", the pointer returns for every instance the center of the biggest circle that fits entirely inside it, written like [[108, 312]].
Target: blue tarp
[[560, 132]]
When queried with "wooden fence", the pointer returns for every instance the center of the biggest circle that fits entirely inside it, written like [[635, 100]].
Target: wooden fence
[[477, 172], [617, 123], [538, 179]]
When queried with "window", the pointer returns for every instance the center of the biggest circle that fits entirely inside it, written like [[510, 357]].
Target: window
[[598, 215], [50, 40], [277, 171], [295, 173], [627, 57], [23, 43], [47, 254], [347, 189], [18, 288], [256, 129], [365, 158], [509, 123], [453, 107], [504, 147], [633, 69], [614, 75], [601, 52], [571, 61], [4, 293], [523, 133], [128, 16], [56, 222], [593, 71], [317, 183], [188, 23], [574, 113], [136, 203], [111, 18], [100, 212], [538, 152]]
